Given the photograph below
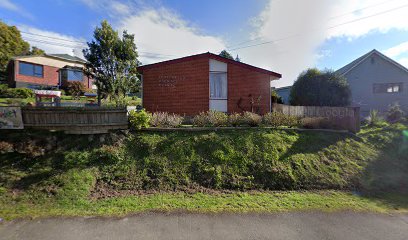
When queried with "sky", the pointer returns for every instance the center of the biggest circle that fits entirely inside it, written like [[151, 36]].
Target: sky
[[285, 36]]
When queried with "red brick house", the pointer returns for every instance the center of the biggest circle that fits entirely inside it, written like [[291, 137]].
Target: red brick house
[[49, 70], [197, 83]]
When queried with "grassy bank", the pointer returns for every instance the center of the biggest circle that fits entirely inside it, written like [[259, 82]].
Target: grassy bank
[[267, 202], [45, 174]]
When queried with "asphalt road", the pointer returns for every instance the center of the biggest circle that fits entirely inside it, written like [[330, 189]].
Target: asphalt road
[[306, 225]]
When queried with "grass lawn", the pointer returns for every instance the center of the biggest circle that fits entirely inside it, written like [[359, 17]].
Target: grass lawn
[[268, 202], [52, 174]]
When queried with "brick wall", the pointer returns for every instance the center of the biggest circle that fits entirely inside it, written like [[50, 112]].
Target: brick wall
[[50, 76], [245, 84], [182, 87]]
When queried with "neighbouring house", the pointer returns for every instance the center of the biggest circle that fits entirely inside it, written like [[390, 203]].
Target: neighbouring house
[[46, 71], [198, 83], [376, 81], [284, 93]]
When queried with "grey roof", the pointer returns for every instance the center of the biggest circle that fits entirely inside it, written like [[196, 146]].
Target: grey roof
[[67, 57], [283, 88], [359, 60]]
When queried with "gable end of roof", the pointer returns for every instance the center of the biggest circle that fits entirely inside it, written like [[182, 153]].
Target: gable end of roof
[[346, 69], [210, 56]]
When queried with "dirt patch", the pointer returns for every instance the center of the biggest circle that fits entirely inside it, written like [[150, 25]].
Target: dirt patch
[[103, 191]]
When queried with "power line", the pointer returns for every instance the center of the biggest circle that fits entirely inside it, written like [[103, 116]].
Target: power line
[[331, 27], [364, 8], [331, 18], [62, 39], [80, 46]]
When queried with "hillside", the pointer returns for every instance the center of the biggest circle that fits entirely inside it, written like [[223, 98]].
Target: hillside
[[53, 170]]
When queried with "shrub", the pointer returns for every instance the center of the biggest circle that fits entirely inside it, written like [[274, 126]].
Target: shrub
[[211, 118], [3, 90], [120, 101], [217, 119], [374, 118], [164, 119], [277, 119], [139, 119], [21, 92], [5, 147], [235, 119], [320, 88], [251, 119], [395, 113], [200, 120], [74, 88], [15, 92]]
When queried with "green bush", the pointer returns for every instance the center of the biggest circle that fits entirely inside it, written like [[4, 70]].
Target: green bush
[[374, 118], [217, 119], [21, 92], [139, 119], [6, 92], [211, 119], [74, 89], [251, 119], [395, 113], [164, 119], [320, 88], [235, 119], [3, 90], [200, 120], [277, 119], [274, 119]]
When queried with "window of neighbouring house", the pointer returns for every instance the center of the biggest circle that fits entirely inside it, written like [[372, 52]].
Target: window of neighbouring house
[[74, 75], [29, 69], [218, 85], [387, 87]]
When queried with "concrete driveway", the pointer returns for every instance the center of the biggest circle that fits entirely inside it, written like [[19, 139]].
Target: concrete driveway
[[304, 225]]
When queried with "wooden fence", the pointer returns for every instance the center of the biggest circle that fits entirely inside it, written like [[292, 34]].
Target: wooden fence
[[343, 118], [75, 120]]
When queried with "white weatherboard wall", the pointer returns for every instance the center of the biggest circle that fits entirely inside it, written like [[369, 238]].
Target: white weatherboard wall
[[218, 104]]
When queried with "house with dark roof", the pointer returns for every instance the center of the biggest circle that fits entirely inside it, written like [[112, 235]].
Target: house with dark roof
[[376, 81], [203, 82], [48, 70]]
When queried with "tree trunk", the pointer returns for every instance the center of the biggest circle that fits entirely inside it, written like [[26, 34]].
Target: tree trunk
[[99, 97]]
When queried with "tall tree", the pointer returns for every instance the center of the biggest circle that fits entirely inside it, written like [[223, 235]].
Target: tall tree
[[238, 59], [226, 54], [12, 44], [112, 61], [36, 51], [320, 88]]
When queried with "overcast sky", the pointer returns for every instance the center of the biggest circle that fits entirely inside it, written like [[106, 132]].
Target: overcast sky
[[286, 36]]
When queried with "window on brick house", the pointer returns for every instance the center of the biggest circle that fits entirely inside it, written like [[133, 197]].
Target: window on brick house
[[29, 69], [72, 75], [387, 87], [218, 85]]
